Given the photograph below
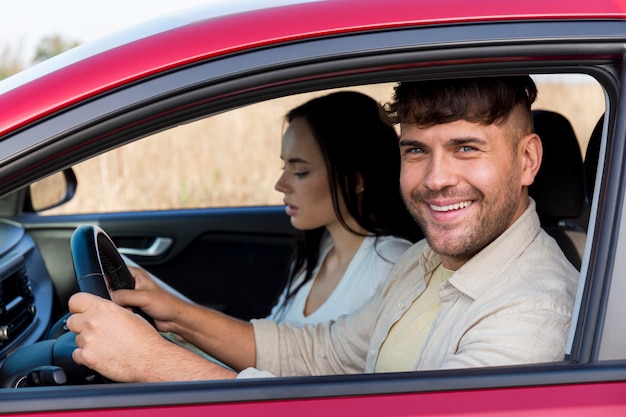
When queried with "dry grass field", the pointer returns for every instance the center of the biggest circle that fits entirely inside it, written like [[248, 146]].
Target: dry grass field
[[232, 159]]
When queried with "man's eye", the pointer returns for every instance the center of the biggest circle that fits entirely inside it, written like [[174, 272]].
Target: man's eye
[[414, 150], [467, 148]]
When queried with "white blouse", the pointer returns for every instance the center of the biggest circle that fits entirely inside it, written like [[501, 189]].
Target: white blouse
[[365, 275]]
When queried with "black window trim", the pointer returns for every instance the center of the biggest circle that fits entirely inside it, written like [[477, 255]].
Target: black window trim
[[175, 90]]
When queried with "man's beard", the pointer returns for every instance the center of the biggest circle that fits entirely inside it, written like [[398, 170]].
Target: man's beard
[[489, 224]]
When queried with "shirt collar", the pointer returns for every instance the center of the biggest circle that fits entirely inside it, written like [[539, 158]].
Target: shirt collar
[[478, 274]]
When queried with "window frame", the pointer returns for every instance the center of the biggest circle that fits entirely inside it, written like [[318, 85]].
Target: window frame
[[343, 61]]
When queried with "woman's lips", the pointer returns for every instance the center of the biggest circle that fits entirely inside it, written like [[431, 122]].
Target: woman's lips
[[291, 210]]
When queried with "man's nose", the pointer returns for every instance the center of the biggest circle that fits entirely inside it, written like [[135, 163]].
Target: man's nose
[[440, 173]]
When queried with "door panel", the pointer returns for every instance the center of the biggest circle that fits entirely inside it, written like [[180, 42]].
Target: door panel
[[232, 259]]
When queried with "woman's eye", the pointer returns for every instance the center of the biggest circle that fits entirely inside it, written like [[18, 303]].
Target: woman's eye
[[301, 174]]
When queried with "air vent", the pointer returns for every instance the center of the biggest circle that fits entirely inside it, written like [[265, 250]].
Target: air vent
[[17, 303]]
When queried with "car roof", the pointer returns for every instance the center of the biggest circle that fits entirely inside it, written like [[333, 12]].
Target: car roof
[[223, 28]]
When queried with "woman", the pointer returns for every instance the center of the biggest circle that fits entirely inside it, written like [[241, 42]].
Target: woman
[[341, 188]]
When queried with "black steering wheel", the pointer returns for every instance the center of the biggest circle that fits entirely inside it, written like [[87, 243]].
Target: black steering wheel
[[98, 265], [99, 268]]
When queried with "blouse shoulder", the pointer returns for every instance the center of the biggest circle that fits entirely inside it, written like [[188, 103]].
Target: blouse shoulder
[[390, 248]]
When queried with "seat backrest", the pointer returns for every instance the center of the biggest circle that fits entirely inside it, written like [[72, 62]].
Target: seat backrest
[[558, 189], [590, 165]]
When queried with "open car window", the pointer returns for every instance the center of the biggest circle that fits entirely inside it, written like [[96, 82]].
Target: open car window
[[232, 159]]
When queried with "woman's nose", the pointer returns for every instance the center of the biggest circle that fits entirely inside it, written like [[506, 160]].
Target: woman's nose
[[281, 184]]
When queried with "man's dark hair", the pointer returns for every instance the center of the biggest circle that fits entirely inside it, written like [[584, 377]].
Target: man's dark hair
[[484, 100]]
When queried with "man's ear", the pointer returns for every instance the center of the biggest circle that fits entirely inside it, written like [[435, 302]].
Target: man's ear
[[531, 153]]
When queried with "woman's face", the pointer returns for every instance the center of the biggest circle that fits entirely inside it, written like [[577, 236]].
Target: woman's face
[[304, 181]]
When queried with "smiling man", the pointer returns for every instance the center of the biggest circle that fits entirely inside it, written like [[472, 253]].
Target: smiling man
[[467, 162], [487, 287]]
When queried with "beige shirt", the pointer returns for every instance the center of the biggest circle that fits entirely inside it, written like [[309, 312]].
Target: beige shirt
[[407, 337], [510, 304]]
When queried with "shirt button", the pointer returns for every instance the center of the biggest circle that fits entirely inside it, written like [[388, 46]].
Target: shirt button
[[400, 305], [373, 352]]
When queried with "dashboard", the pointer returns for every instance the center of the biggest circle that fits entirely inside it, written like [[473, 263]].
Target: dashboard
[[26, 290]]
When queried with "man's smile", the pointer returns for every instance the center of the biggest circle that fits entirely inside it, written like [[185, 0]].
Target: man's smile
[[451, 207]]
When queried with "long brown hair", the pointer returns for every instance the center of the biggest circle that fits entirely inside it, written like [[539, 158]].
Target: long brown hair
[[358, 144]]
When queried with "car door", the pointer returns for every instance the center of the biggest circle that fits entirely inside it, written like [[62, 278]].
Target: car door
[[186, 204], [585, 383]]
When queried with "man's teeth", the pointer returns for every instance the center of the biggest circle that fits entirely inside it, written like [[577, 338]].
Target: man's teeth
[[450, 207]]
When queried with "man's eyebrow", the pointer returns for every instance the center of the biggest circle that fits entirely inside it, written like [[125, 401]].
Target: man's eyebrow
[[410, 142], [451, 142], [466, 140]]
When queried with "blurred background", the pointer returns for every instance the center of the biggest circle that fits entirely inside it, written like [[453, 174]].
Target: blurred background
[[34, 30]]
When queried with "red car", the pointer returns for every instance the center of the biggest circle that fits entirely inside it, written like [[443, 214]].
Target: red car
[[95, 135]]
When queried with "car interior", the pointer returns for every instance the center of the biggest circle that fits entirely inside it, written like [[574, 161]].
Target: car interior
[[558, 189], [245, 247]]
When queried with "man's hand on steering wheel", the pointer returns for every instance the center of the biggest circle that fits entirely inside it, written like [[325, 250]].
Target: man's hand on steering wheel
[[112, 340]]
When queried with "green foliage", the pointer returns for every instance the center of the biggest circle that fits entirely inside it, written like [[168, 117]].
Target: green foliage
[[51, 46], [9, 62]]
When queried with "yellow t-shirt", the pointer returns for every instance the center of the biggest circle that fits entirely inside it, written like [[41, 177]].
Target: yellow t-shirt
[[404, 342]]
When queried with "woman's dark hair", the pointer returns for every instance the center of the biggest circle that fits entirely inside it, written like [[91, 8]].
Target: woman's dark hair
[[359, 145]]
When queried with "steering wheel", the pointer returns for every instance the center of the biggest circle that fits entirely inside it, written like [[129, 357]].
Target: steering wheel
[[97, 263], [99, 268]]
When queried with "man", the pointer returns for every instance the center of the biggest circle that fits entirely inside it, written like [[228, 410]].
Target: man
[[487, 287]]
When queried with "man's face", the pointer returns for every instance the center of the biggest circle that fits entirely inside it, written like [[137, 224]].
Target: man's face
[[463, 182]]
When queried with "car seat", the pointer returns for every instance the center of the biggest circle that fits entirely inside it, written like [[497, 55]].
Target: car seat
[[558, 189], [590, 166]]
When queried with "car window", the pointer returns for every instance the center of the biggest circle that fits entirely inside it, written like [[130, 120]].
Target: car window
[[232, 159], [226, 160]]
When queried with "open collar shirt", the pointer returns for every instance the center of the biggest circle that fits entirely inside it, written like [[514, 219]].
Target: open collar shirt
[[510, 304]]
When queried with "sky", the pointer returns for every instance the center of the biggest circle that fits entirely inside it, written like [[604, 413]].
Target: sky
[[23, 23]]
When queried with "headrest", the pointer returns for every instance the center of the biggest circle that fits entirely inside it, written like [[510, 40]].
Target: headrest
[[592, 154], [558, 188]]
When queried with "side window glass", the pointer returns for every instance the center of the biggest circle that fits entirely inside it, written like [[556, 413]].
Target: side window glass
[[232, 159], [227, 160]]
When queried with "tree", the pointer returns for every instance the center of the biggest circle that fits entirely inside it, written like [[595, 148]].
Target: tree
[[49, 46], [10, 62], [52, 45]]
